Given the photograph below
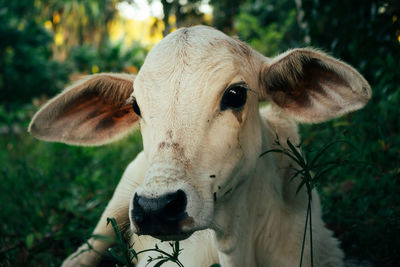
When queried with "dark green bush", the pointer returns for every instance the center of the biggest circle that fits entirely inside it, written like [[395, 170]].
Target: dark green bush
[[26, 67], [361, 201]]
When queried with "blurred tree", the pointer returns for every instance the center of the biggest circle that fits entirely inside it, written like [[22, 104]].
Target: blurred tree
[[180, 13], [112, 57], [29, 30], [224, 13], [269, 26], [365, 33], [76, 22], [26, 67]]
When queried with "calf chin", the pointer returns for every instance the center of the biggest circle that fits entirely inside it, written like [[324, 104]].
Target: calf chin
[[173, 237]]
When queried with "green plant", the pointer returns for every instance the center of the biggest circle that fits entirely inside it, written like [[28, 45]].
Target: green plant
[[125, 254], [311, 170], [269, 26]]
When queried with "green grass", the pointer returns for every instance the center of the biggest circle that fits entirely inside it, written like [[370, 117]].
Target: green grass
[[52, 195]]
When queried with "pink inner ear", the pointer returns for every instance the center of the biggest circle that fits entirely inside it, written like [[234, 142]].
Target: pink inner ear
[[297, 91], [91, 120]]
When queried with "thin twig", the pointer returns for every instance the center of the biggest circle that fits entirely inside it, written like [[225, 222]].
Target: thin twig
[[311, 242], [304, 239]]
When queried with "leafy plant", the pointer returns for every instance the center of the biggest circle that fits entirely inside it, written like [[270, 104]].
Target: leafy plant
[[129, 254], [124, 248], [311, 170]]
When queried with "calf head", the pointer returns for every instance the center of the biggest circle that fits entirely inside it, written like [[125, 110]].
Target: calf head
[[196, 100]]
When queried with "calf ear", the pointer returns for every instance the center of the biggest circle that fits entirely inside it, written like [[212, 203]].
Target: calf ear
[[93, 111], [312, 86]]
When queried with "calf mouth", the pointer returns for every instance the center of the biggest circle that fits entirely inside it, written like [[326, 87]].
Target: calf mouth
[[165, 231], [173, 237]]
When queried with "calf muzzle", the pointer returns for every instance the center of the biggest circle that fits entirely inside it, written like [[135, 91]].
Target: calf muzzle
[[161, 216]]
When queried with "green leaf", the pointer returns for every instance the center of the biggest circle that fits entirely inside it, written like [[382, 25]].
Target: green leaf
[[116, 256], [176, 250], [297, 173], [116, 230], [29, 240], [271, 150], [133, 252], [296, 153], [161, 262], [300, 186], [281, 151], [103, 238]]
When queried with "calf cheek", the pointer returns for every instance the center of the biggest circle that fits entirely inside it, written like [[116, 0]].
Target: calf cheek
[[223, 158], [250, 139], [236, 154]]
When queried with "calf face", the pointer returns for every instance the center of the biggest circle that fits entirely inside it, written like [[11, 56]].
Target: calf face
[[194, 95], [197, 99]]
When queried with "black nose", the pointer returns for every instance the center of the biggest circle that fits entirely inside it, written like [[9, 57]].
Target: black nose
[[159, 216]]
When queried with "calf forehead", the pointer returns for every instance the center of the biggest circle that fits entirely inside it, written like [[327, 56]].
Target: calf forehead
[[187, 72], [191, 55], [188, 46]]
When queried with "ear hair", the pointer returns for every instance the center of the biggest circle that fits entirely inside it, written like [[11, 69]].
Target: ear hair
[[312, 86], [92, 111], [113, 89]]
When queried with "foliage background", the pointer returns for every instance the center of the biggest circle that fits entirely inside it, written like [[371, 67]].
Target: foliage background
[[52, 195]]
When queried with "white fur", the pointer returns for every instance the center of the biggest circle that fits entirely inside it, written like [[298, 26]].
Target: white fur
[[257, 218]]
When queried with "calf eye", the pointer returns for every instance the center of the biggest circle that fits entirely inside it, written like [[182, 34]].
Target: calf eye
[[234, 97], [136, 108]]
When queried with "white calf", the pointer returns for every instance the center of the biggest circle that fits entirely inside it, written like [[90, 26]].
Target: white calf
[[200, 178]]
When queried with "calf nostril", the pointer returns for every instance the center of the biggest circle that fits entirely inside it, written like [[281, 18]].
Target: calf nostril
[[138, 212], [175, 207]]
